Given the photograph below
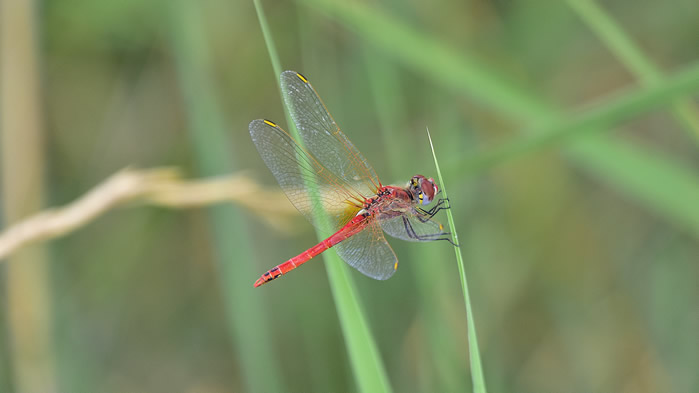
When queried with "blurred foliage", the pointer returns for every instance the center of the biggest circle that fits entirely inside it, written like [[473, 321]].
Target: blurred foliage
[[581, 258]]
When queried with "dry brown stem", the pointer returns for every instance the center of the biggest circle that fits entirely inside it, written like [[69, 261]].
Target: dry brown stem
[[158, 186]]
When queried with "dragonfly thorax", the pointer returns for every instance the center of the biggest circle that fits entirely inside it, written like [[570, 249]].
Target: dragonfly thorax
[[388, 198]]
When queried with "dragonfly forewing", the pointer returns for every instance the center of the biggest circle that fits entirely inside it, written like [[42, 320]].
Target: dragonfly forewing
[[323, 138], [297, 172]]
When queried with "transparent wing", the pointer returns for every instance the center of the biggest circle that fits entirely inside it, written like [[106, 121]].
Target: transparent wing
[[297, 171], [369, 252], [415, 227], [322, 136]]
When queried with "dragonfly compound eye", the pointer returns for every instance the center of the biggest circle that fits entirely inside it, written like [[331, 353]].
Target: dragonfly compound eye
[[434, 185], [427, 191]]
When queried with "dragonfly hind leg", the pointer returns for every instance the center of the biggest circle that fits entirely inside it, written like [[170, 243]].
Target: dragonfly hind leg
[[427, 237]]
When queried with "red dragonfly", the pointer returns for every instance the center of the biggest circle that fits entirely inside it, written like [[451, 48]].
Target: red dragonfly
[[328, 174]]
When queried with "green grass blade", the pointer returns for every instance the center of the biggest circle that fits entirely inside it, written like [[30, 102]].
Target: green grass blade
[[441, 366], [209, 135], [632, 57], [666, 187], [367, 365], [604, 115], [364, 356], [473, 352], [615, 39], [453, 68], [457, 69], [271, 49], [661, 200]]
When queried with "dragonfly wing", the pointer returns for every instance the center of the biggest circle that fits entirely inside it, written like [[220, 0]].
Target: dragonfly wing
[[322, 136], [415, 227], [297, 172], [369, 252]]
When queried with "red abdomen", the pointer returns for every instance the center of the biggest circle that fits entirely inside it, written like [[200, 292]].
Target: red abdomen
[[355, 225]]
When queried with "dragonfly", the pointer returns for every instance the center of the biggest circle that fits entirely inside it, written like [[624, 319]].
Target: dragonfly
[[329, 181]]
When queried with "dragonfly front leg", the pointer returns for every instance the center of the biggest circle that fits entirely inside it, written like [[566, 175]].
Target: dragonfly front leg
[[425, 215]]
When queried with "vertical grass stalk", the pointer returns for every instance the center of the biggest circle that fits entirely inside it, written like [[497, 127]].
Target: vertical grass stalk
[[248, 326], [473, 352], [364, 356], [30, 356]]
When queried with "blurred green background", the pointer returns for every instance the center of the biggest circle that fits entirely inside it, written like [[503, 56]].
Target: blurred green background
[[565, 134]]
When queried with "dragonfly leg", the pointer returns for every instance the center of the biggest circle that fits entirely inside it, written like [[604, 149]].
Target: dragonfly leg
[[426, 237], [425, 215]]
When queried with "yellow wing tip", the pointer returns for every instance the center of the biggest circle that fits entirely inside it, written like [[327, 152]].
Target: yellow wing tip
[[395, 266], [303, 78], [270, 123]]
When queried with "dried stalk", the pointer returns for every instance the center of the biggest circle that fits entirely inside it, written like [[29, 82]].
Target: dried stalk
[[158, 186]]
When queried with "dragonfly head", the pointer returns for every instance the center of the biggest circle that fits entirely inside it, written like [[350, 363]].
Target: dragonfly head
[[423, 189]]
